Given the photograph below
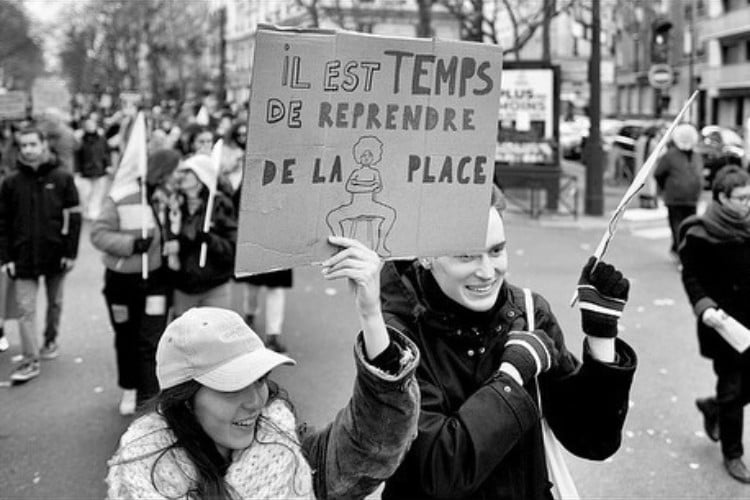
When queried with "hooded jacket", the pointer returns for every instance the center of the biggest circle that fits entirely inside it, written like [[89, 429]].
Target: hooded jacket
[[679, 175], [39, 219], [479, 431]]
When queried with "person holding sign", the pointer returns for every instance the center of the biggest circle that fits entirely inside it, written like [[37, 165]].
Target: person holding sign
[[137, 306], [479, 426], [222, 428], [715, 254], [197, 285]]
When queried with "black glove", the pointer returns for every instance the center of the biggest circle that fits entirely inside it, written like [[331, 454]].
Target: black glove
[[602, 295], [202, 237], [141, 245], [531, 353]]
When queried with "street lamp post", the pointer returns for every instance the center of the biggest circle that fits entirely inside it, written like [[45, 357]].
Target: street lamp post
[[594, 202]]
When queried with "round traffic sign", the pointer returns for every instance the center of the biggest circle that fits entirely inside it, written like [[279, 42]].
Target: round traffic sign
[[660, 76]]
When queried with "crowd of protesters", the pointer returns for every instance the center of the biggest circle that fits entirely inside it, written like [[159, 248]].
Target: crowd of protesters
[[484, 370], [88, 147]]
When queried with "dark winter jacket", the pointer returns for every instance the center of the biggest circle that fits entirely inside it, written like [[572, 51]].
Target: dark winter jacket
[[219, 268], [679, 176], [40, 221], [479, 431], [92, 157], [715, 274]]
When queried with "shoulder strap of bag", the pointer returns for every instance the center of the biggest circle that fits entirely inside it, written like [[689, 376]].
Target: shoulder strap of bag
[[563, 486]]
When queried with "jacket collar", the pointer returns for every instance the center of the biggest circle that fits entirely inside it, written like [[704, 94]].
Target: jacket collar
[[403, 294]]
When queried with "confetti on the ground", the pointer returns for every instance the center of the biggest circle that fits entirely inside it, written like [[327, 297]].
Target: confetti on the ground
[[663, 302], [630, 434], [640, 309], [308, 288], [673, 399], [98, 389], [520, 252], [650, 432], [621, 328], [668, 441], [331, 292], [663, 371], [5, 383], [608, 460], [628, 450], [631, 403], [694, 466], [673, 454], [585, 246], [638, 326], [37, 478], [700, 434], [652, 473], [78, 360]]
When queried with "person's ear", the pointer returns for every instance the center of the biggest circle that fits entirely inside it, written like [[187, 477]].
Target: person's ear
[[425, 262]]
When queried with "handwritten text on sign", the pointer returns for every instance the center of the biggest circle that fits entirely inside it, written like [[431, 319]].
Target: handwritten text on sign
[[350, 131]]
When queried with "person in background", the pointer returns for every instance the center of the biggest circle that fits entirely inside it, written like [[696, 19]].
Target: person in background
[[679, 176], [482, 371], [39, 233], [644, 145], [222, 428], [138, 307], [195, 285], [92, 164], [715, 255]]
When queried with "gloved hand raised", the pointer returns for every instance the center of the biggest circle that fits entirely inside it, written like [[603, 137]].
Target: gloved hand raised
[[141, 245], [530, 353], [602, 294]]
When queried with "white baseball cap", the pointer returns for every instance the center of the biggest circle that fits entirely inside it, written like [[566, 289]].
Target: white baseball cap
[[214, 347]]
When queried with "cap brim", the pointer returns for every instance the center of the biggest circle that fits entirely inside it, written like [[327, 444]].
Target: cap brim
[[243, 370]]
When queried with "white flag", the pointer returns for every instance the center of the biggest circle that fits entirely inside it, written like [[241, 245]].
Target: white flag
[[132, 169]]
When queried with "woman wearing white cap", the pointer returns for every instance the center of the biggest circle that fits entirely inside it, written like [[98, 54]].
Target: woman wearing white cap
[[221, 429], [679, 175], [196, 285]]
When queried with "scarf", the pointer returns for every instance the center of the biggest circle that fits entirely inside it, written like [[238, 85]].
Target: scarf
[[717, 225]]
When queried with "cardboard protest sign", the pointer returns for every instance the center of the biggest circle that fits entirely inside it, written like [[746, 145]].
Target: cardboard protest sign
[[387, 140], [13, 105]]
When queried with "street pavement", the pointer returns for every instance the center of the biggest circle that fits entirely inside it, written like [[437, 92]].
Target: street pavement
[[57, 432]]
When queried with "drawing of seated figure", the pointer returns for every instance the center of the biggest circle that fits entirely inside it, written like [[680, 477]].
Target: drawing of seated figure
[[363, 207]]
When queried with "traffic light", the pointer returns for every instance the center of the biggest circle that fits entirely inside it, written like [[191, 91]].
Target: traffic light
[[660, 35]]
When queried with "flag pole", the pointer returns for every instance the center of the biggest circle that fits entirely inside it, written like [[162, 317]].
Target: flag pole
[[144, 230], [216, 160]]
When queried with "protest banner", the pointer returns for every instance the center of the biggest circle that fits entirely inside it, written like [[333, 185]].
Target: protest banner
[[387, 140], [13, 105]]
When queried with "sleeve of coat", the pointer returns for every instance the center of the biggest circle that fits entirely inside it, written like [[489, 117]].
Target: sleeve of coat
[[691, 258], [6, 211], [71, 206], [586, 407], [368, 439], [223, 234], [662, 170], [106, 235]]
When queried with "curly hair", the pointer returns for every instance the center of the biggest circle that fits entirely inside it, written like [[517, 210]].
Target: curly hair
[[368, 143]]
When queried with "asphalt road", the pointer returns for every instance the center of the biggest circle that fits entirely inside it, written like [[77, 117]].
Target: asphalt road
[[57, 432]]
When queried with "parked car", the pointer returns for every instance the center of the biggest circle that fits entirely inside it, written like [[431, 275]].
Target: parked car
[[720, 146]]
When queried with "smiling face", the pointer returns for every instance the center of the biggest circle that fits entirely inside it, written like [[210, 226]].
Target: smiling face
[[229, 418], [203, 143], [474, 280]]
